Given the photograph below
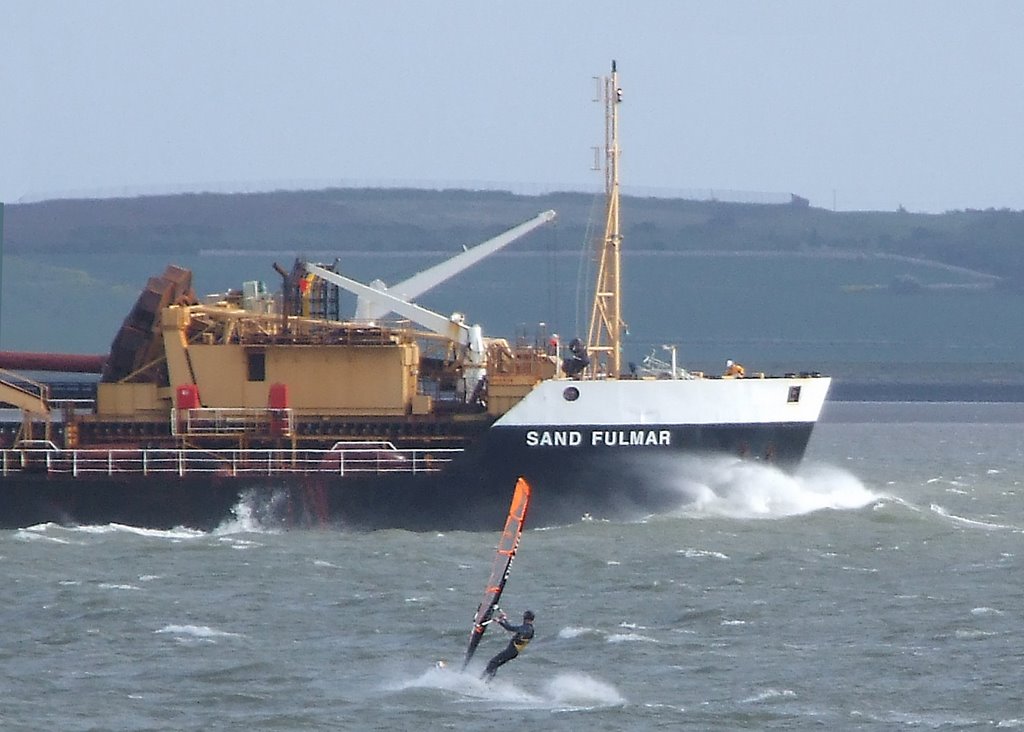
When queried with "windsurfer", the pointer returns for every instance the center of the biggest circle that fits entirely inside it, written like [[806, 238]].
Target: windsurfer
[[521, 636]]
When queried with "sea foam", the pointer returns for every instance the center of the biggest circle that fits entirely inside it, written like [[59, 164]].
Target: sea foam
[[734, 488], [570, 691]]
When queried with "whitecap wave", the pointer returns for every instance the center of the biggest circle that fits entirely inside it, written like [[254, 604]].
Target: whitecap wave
[[201, 632], [630, 638], [734, 488], [691, 553], [974, 523], [986, 611], [564, 692], [467, 684], [245, 519], [38, 533], [179, 532], [572, 632], [581, 691], [768, 695], [51, 532]]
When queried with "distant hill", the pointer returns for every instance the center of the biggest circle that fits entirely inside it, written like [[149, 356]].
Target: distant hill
[[389, 220]]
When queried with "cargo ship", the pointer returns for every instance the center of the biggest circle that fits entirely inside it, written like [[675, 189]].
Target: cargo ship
[[280, 407]]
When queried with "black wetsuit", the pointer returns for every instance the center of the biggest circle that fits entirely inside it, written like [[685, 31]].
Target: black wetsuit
[[523, 634]]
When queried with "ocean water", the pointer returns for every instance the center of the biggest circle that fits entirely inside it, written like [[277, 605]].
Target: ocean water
[[878, 588]]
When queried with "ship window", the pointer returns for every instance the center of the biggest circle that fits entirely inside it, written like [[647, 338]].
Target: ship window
[[571, 394], [257, 365], [794, 394]]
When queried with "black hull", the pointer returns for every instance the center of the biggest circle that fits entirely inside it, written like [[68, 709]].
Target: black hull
[[614, 479]]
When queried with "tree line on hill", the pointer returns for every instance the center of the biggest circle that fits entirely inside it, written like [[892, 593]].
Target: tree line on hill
[[391, 220]]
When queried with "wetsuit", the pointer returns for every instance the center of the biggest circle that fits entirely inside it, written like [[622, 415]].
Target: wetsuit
[[523, 634]]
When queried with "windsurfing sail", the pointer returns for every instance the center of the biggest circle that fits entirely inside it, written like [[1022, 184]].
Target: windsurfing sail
[[508, 545]]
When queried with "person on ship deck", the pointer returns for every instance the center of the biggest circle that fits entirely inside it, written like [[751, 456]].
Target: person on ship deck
[[734, 369]]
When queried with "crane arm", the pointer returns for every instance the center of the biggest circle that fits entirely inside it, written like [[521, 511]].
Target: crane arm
[[452, 328], [372, 307]]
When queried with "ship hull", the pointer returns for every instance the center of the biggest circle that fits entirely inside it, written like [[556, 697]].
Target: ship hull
[[615, 472]]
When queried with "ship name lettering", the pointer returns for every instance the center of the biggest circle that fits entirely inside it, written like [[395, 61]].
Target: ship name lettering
[[554, 438], [628, 438]]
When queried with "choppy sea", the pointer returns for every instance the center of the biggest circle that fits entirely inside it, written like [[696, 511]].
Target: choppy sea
[[878, 588]]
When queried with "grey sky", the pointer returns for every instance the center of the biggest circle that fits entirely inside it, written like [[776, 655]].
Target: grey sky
[[866, 104]]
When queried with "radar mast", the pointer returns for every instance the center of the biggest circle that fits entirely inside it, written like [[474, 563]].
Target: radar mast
[[604, 336]]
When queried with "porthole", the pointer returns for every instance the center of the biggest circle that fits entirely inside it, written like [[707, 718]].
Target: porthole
[[571, 394]]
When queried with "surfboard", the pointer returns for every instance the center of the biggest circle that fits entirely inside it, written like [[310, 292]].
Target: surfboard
[[508, 545]]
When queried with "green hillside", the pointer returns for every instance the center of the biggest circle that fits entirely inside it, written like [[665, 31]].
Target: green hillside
[[418, 220]]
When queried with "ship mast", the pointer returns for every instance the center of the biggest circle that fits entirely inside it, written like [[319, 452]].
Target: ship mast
[[604, 338]]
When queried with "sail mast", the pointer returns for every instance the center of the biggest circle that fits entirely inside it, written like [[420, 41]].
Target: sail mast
[[604, 338]]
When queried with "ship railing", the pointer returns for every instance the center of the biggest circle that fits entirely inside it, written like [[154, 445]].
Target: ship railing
[[228, 463], [24, 393], [73, 406], [208, 421]]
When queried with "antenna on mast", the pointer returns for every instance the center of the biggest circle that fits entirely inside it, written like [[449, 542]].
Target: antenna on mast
[[604, 338]]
